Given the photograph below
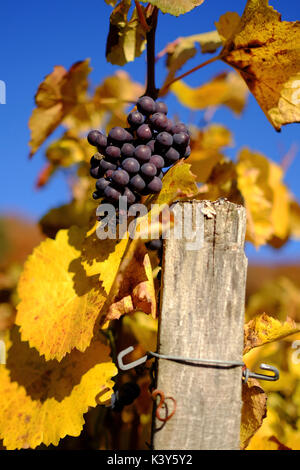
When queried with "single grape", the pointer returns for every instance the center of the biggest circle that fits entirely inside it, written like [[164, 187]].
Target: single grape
[[97, 195], [111, 193], [146, 105], [131, 198], [101, 184], [135, 119], [155, 185], [131, 165], [158, 161], [112, 152], [164, 139], [96, 138], [137, 183], [155, 245], [179, 127], [161, 107], [148, 170], [181, 140], [117, 135], [159, 121], [169, 127], [95, 172], [142, 153], [95, 160], [105, 165], [120, 177], [151, 145], [144, 132], [187, 152], [172, 155], [127, 150]]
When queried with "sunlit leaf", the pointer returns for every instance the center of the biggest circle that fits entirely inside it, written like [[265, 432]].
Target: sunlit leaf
[[265, 50], [176, 8], [42, 402]]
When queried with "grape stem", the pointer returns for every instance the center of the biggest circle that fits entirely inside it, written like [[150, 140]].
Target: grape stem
[[151, 89]]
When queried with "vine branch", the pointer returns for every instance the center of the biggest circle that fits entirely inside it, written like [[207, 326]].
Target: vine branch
[[151, 89]]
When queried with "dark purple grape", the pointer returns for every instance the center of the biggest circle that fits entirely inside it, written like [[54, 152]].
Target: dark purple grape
[[158, 161], [148, 170], [142, 153], [95, 172], [179, 127], [146, 105], [135, 119], [170, 125], [101, 184], [172, 155], [164, 139], [121, 177], [155, 245], [131, 165], [187, 152], [96, 138], [161, 107], [117, 135], [95, 160], [112, 152], [127, 150], [130, 196], [105, 165], [109, 173], [181, 140], [112, 194], [144, 132], [155, 185], [129, 136], [97, 195], [151, 145], [159, 121], [137, 183]]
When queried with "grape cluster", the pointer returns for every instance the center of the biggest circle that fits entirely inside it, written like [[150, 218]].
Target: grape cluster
[[130, 162]]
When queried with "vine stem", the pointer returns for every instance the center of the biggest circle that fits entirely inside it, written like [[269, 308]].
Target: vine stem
[[165, 88], [151, 89]]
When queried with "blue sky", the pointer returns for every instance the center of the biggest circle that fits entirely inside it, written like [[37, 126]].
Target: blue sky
[[35, 36]]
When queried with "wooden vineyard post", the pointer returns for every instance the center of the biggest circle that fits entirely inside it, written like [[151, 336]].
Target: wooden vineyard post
[[202, 316]]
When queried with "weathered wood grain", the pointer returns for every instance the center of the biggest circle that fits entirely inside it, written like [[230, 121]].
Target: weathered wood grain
[[202, 315]]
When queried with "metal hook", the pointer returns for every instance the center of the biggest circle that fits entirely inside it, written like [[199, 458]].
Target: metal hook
[[270, 378], [131, 365]]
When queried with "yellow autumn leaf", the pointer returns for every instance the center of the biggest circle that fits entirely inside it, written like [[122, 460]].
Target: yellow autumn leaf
[[57, 96], [68, 150], [176, 8], [266, 329], [266, 52], [126, 38], [43, 401], [254, 410], [226, 89], [102, 258], [59, 303], [265, 438], [294, 220], [185, 48], [206, 148], [178, 182], [266, 197]]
